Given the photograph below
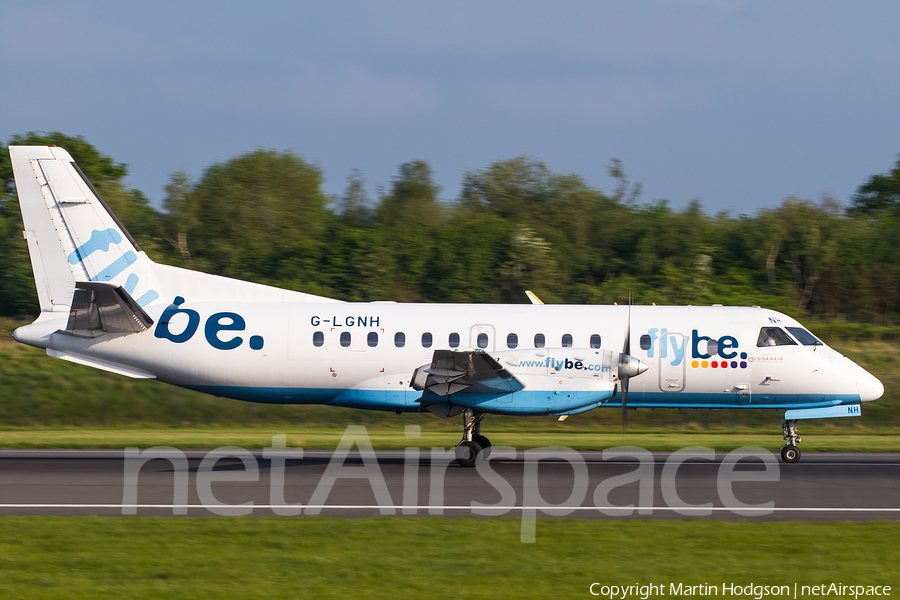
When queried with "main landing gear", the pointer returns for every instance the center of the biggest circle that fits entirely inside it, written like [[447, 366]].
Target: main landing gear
[[789, 452], [474, 447]]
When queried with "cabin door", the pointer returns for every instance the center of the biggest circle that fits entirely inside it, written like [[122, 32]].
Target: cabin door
[[481, 337], [672, 350]]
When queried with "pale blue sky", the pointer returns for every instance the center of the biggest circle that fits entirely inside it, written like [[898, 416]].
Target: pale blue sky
[[738, 103]]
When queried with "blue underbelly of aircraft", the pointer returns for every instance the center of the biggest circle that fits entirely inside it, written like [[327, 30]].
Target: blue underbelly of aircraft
[[407, 400], [729, 400], [519, 403]]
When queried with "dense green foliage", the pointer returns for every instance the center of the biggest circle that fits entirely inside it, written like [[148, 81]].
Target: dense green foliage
[[321, 557], [263, 216]]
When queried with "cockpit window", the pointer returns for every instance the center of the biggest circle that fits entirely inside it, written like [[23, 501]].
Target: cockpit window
[[805, 337], [774, 336]]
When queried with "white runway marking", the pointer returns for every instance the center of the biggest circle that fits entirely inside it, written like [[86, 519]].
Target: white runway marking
[[592, 457], [464, 508]]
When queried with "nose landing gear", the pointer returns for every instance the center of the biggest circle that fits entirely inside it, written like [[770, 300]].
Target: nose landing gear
[[789, 451], [474, 447]]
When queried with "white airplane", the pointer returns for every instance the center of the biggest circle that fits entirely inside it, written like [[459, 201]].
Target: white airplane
[[105, 304]]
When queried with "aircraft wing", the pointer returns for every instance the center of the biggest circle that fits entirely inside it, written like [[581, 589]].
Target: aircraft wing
[[472, 371]]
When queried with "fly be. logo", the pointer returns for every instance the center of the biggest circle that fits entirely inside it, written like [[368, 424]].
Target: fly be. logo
[[703, 348]]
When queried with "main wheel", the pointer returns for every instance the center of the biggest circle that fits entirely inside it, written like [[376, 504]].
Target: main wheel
[[790, 454], [485, 445], [469, 454]]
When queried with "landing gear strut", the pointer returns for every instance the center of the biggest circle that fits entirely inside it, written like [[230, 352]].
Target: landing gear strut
[[474, 447], [789, 451]]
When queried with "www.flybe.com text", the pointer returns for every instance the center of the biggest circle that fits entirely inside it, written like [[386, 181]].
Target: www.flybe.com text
[[564, 363]]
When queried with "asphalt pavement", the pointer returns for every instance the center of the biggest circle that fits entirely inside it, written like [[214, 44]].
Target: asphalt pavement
[[821, 487]]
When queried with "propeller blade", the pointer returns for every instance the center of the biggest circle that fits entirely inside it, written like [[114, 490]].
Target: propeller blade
[[627, 347], [626, 350]]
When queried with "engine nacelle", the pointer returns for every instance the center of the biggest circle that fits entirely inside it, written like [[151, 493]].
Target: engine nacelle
[[546, 380]]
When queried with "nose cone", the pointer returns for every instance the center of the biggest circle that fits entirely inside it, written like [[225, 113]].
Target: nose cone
[[870, 388], [629, 366]]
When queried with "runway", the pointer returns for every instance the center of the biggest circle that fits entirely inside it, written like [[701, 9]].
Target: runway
[[662, 485]]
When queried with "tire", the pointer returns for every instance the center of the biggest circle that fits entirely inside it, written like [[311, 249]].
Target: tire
[[790, 454], [485, 445], [469, 454]]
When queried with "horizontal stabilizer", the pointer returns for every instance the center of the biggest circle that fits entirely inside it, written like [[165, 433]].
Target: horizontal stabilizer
[[99, 308], [102, 365]]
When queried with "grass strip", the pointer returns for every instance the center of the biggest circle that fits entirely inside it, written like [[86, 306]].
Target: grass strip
[[394, 439], [397, 558]]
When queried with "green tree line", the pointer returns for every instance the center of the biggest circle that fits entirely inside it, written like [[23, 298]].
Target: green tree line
[[516, 225]]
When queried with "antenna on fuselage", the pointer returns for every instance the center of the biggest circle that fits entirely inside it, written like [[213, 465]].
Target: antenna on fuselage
[[533, 297]]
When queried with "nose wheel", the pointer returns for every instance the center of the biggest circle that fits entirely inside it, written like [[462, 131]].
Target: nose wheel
[[789, 451], [474, 447]]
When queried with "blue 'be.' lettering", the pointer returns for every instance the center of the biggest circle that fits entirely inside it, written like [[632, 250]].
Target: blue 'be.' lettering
[[725, 346], [215, 325]]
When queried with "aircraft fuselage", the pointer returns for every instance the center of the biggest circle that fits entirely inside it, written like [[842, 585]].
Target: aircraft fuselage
[[364, 354]]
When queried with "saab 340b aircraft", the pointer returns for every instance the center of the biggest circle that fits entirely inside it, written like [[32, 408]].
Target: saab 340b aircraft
[[105, 304]]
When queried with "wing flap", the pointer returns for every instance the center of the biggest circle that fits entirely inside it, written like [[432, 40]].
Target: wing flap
[[471, 371]]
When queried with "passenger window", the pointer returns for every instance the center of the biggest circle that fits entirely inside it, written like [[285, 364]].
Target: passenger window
[[539, 340], [567, 340], [645, 342], [512, 340], [399, 339], [454, 340], [805, 337], [595, 340], [372, 339], [482, 340], [426, 340], [773, 336], [345, 339], [318, 339]]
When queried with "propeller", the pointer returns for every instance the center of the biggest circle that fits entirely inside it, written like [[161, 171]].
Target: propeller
[[626, 351], [629, 367]]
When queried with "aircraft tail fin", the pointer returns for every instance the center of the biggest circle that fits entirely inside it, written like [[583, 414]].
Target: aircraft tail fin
[[72, 234]]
